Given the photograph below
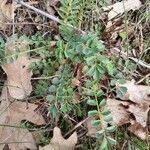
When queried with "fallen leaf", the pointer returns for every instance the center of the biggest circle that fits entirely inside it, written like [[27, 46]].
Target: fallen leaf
[[120, 116], [6, 12], [119, 8], [138, 130], [121, 112], [132, 109], [140, 113], [76, 98], [136, 93], [59, 143], [12, 113], [118, 111], [18, 71], [91, 130]]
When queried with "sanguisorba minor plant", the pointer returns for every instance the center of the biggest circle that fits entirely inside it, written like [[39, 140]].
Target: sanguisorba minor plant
[[71, 50], [88, 50]]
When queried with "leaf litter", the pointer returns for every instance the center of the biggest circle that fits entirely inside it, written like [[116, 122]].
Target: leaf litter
[[12, 113], [18, 70], [58, 142], [135, 102], [6, 12], [132, 108], [17, 86], [117, 9]]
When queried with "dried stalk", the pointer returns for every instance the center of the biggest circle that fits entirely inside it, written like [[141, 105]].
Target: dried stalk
[[47, 15]]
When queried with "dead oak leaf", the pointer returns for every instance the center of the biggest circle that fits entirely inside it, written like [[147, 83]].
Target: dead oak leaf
[[6, 12], [136, 93], [12, 113], [140, 113], [18, 71], [138, 130], [119, 8], [121, 112], [58, 142], [91, 130], [118, 111]]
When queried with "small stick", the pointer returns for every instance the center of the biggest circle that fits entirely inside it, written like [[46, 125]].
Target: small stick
[[47, 15], [145, 77], [76, 126], [139, 62]]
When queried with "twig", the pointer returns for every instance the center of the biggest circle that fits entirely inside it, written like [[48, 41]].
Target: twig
[[47, 15], [141, 80], [140, 62], [44, 78], [76, 126]]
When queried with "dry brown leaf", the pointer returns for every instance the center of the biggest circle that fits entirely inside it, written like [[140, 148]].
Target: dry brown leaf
[[12, 113], [120, 7], [76, 98], [118, 111], [140, 113], [91, 130], [138, 130], [136, 93], [6, 12], [18, 72], [59, 143], [121, 112]]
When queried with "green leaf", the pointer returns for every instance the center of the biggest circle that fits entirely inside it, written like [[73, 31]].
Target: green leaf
[[108, 118], [100, 133], [111, 140], [96, 123], [106, 112], [91, 70], [92, 102], [50, 97], [103, 103], [52, 88], [123, 35], [93, 113], [121, 91], [110, 67], [111, 129], [86, 51], [96, 74], [104, 144], [65, 108], [90, 60], [89, 92], [99, 93], [55, 81], [140, 145], [101, 69], [53, 110], [100, 46]]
